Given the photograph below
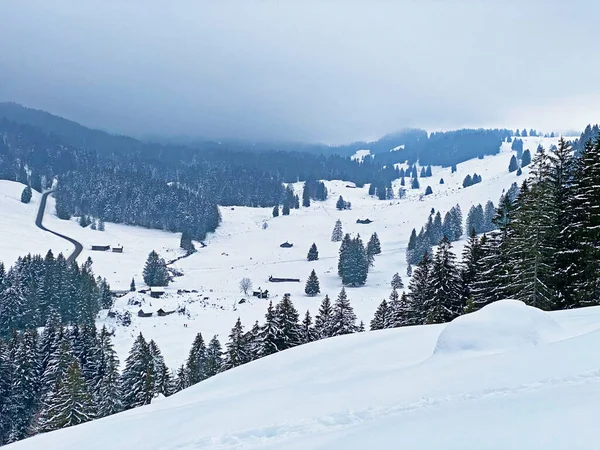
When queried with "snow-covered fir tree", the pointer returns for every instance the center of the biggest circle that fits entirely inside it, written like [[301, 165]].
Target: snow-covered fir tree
[[287, 319], [324, 319], [312, 287], [343, 317], [336, 234], [313, 253], [155, 271], [396, 282], [237, 350]]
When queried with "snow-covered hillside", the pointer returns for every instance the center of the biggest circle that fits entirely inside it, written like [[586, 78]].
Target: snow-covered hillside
[[242, 248], [386, 390]]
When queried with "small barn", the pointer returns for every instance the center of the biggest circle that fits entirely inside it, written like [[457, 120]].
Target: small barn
[[273, 279], [286, 244], [261, 294], [162, 313], [364, 221], [100, 248], [141, 313], [157, 291], [117, 249]]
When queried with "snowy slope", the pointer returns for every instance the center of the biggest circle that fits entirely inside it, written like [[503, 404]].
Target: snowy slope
[[242, 248], [18, 233], [384, 390]]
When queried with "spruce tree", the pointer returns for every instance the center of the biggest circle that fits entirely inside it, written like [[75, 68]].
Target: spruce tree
[[381, 318], [445, 301], [196, 361], [343, 317], [163, 381], [488, 216], [312, 285], [397, 282], [428, 190], [214, 358], [305, 196], [374, 246], [337, 235], [132, 286], [155, 271], [106, 383], [270, 334], [237, 348], [287, 320], [532, 250], [70, 403], [340, 204], [186, 243], [420, 289], [307, 332], [414, 184], [409, 271], [101, 225], [276, 211], [324, 319], [313, 253], [26, 195], [285, 210], [526, 158], [138, 377], [513, 165]]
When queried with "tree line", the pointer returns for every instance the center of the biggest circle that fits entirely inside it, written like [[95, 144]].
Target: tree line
[[36, 288]]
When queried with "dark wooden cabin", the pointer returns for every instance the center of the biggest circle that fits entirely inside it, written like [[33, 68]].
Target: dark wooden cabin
[[364, 221], [141, 313], [284, 280], [100, 248], [286, 244], [162, 313]]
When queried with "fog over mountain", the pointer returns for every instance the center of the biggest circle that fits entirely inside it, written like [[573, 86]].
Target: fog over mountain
[[328, 71]]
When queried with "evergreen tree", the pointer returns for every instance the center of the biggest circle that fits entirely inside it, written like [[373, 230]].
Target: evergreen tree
[[285, 210], [337, 235], [270, 334], [132, 286], [343, 317], [313, 253], [519, 172], [532, 247], [155, 271], [428, 190], [214, 358], [445, 301], [526, 158], [586, 227], [476, 219], [468, 181], [397, 282], [163, 381], [324, 319], [488, 217], [305, 196], [414, 184], [100, 225], [138, 377], [381, 318], [237, 348], [409, 271], [411, 247], [565, 264], [307, 332], [374, 246], [420, 289], [513, 165], [70, 403], [353, 264], [93, 226], [312, 285], [106, 384], [428, 171], [287, 320], [196, 362], [26, 195], [340, 204], [276, 211]]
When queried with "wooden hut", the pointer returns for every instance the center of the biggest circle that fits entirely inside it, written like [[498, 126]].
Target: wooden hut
[[141, 313]]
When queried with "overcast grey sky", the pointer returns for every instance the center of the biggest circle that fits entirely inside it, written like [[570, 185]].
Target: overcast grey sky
[[329, 71]]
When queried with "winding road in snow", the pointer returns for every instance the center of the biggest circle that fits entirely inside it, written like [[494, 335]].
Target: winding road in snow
[[38, 223]]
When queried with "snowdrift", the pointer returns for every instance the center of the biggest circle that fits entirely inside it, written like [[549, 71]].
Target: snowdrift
[[498, 327]]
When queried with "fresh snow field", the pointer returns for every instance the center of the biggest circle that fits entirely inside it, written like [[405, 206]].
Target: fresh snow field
[[506, 377], [242, 248]]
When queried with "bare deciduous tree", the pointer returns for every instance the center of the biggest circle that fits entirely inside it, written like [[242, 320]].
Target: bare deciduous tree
[[245, 285]]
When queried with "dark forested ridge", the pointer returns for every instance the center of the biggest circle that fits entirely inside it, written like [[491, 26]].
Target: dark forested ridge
[[176, 188]]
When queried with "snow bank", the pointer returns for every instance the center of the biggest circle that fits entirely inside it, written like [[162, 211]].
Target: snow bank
[[497, 327]]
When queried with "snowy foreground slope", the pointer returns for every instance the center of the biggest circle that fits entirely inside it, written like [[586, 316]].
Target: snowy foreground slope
[[507, 377]]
